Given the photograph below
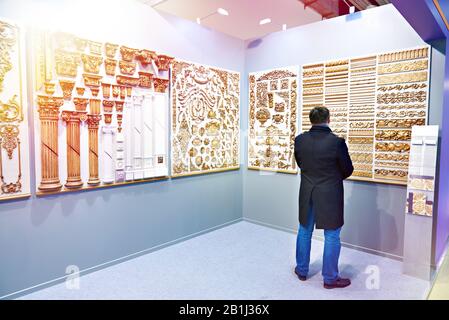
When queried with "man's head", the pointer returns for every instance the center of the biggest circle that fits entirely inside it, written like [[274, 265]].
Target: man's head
[[319, 115]]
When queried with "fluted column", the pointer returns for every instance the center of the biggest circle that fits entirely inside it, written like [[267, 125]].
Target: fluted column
[[147, 139], [73, 120], [128, 147], [48, 108], [107, 163], [93, 123], [137, 137]]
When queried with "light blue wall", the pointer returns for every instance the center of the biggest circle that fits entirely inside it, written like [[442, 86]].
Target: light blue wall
[[40, 237], [374, 213]]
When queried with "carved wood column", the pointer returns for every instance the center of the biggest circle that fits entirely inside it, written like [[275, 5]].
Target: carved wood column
[[93, 123], [48, 108], [73, 120]]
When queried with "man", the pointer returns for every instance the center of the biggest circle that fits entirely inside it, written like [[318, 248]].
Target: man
[[324, 162]]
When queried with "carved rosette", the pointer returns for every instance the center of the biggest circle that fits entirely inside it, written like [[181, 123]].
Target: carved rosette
[[48, 108], [73, 120], [145, 79], [161, 85], [110, 49], [164, 62], [67, 88], [93, 123]]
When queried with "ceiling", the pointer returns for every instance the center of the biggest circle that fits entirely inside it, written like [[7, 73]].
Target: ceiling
[[244, 15]]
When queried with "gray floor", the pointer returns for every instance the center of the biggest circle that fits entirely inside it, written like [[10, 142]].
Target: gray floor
[[241, 261]]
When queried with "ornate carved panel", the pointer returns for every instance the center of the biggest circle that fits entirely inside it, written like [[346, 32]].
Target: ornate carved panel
[[205, 119], [273, 120], [14, 157], [374, 103]]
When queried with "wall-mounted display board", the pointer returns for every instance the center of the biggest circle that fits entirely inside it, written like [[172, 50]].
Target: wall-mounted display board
[[273, 120], [205, 119], [422, 170], [14, 146], [101, 113], [374, 103]]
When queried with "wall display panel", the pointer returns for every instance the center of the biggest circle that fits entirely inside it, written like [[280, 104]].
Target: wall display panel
[[205, 119], [374, 103], [102, 113], [14, 146], [273, 120]]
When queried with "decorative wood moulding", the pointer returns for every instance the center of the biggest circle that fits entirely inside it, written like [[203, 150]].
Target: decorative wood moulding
[[110, 65], [106, 89], [108, 106], [128, 54], [80, 91], [127, 67], [122, 92], [80, 104], [110, 50], [119, 106], [91, 63], [94, 90], [164, 62], [129, 91], [49, 88], [161, 85], [145, 79], [92, 80], [67, 88], [81, 44], [128, 81], [108, 118], [145, 57], [95, 106], [115, 90], [67, 63], [95, 47]]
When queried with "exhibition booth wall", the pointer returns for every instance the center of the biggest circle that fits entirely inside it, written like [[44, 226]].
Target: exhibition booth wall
[[41, 236], [374, 212]]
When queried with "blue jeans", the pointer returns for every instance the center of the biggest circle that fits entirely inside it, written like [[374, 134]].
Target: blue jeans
[[331, 253]]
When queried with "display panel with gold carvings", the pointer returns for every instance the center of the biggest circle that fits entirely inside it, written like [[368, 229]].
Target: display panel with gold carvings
[[273, 120], [14, 146], [102, 113], [205, 119], [374, 102]]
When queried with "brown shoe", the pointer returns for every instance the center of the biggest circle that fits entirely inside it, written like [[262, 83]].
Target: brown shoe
[[339, 283], [300, 277]]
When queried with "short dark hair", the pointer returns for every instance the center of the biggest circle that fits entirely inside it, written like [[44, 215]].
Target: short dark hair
[[319, 115]]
